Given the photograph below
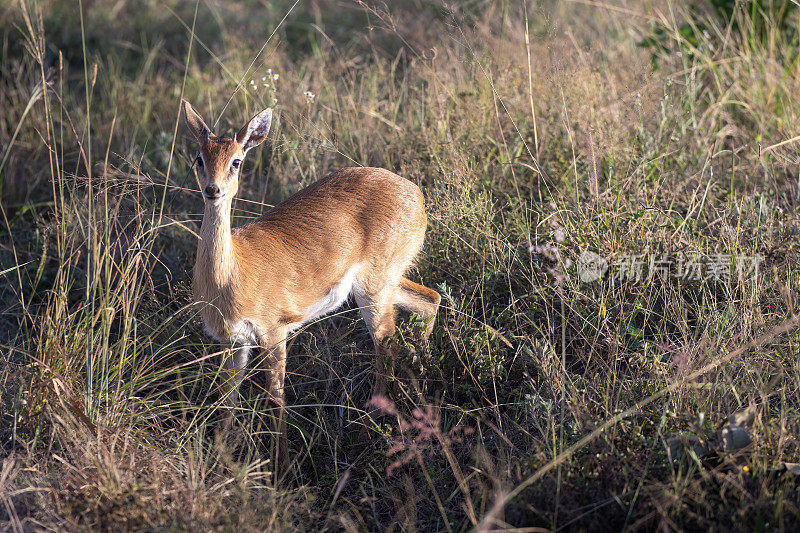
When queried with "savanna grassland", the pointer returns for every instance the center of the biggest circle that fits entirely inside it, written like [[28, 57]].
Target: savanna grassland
[[537, 131]]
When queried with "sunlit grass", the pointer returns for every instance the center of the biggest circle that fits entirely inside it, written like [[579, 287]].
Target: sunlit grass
[[541, 401]]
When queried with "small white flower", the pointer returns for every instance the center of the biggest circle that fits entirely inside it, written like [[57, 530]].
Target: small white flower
[[274, 101], [276, 77], [263, 78], [252, 82], [309, 95], [269, 71], [266, 85]]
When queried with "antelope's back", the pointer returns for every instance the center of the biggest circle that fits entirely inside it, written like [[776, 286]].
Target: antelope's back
[[351, 211]]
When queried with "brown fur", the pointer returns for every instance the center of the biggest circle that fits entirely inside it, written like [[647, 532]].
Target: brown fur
[[267, 274]]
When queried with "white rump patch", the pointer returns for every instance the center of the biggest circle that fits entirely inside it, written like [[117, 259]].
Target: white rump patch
[[333, 300]]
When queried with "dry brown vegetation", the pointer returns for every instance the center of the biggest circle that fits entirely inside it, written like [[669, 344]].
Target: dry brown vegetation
[[536, 131]]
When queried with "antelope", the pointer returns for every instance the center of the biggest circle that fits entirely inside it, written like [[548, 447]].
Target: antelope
[[354, 232]]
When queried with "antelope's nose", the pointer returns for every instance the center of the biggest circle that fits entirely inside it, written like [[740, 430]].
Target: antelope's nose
[[212, 190]]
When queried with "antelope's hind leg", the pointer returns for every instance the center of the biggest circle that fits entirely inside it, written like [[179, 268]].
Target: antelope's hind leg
[[377, 308], [421, 300]]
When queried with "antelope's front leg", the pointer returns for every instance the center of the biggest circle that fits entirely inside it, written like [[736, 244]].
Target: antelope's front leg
[[234, 365], [275, 347]]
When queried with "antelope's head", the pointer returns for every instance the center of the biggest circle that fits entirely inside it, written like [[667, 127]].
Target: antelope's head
[[220, 158]]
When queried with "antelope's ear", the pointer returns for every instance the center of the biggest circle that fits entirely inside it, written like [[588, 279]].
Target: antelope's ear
[[254, 132], [195, 123]]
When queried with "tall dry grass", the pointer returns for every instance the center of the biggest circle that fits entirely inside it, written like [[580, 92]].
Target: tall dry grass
[[536, 131]]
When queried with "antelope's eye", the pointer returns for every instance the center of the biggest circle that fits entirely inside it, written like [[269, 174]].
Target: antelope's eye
[[236, 163], [199, 161]]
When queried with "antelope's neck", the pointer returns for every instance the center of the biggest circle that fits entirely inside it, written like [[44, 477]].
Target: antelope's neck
[[216, 260]]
